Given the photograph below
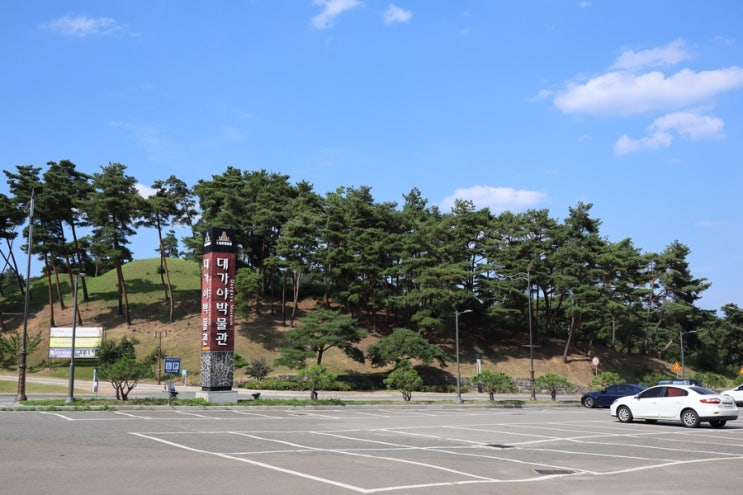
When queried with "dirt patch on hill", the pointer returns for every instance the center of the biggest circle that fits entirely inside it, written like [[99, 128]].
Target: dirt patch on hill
[[262, 337]]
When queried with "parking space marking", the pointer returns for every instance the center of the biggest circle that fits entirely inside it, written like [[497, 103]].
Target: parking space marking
[[463, 477], [252, 462], [254, 414], [442, 453], [196, 415], [129, 415], [67, 417]]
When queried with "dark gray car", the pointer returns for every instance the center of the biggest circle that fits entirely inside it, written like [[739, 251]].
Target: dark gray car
[[604, 398]]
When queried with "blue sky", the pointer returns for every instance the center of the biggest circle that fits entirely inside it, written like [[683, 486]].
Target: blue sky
[[633, 106]]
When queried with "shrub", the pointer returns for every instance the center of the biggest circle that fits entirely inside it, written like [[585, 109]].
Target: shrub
[[710, 380], [317, 377], [606, 378], [708, 360], [494, 382], [552, 382], [652, 378], [258, 368]]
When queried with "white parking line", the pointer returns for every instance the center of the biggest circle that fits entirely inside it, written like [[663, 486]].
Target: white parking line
[[438, 453], [252, 462]]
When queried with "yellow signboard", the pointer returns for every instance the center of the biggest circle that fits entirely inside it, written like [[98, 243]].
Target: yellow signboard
[[676, 367]]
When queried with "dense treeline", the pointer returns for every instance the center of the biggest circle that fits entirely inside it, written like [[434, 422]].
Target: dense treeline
[[389, 265]]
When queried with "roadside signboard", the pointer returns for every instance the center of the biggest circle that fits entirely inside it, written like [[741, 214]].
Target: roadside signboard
[[87, 341], [172, 365]]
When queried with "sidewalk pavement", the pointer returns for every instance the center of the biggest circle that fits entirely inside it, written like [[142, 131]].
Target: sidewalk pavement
[[84, 389]]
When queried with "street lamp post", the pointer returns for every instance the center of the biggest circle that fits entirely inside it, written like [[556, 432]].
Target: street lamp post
[[71, 387], [681, 343], [456, 350], [532, 390]]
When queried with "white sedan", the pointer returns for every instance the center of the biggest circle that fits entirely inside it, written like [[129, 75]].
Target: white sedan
[[736, 393], [689, 404]]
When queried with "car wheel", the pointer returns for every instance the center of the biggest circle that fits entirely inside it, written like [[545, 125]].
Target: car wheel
[[690, 418], [717, 423], [588, 402], [624, 414]]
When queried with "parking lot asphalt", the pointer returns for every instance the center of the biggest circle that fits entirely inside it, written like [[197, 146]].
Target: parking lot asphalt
[[470, 449]]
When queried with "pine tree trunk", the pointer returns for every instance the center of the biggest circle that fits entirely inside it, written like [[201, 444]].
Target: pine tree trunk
[[51, 293], [122, 293]]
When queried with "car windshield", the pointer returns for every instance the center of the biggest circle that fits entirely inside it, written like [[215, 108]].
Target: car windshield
[[703, 391]]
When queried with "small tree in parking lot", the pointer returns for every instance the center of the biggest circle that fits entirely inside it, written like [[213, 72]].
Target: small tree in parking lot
[[119, 366], [552, 382], [494, 382], [405, 379], [317, 377]]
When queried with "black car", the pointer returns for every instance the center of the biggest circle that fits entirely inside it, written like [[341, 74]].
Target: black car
[[604, 398]]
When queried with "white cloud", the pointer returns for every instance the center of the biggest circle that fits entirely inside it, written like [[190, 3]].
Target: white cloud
[[331, 10], [82, 26], [712, 223], [626, 93], [395, 14], [497, 199], [626, 90], [144, 191], [626, 145], [690, 124], [671, 54]]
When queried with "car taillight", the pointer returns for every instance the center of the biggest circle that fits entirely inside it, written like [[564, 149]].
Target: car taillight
[[710, 401]]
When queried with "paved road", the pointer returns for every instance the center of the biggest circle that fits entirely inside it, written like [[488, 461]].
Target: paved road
[[407, 449]]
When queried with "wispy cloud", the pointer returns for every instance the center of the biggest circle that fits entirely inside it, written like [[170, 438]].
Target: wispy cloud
[[395, 14], [331, 9], [149, 138], [82, 26], [496, 199], [657, 140], [713, 223], [671, 54]]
